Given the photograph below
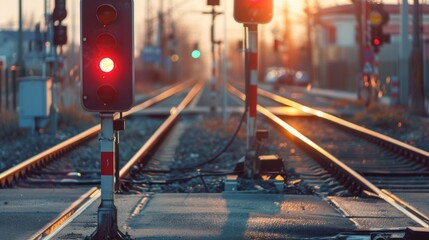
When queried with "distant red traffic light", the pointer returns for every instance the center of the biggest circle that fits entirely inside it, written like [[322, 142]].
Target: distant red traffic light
[[376, 42], [378, 18]]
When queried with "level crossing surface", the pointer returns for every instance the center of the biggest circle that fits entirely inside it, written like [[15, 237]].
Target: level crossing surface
[[217, 216], [24, 211]]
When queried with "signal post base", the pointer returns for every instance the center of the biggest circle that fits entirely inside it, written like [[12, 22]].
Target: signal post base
[[107, 225], [249, 165]]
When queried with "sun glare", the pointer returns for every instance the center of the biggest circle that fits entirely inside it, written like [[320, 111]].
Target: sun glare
[[294, 5]]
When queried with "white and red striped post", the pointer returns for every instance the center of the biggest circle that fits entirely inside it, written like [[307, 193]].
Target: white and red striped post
[[394, 91], [107, 158], [213, 94], [375, 81], [213, 90], [253, 86], [252, 99], [107, 213]]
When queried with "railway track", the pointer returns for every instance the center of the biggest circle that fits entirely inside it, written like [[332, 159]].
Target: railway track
[[337, 161], [60, 169], [353, 155], [128, 169]]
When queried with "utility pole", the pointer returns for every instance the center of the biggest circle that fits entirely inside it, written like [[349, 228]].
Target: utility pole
[[404, 57], [149, 27], [73, 34], [252, 95], [361, 23], [417, 88], [288, 47], [362, 41], [161, 38], [20, 57], [47, 20], [57, 38], [19, 69], [49, 60], [309, 53], [225, 67], [213, 90]]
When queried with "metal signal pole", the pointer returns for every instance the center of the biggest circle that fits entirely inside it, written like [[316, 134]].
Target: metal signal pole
[[224, 69], [213, 90], [404, 51], [417, 88], [20, 58], [107, 227]]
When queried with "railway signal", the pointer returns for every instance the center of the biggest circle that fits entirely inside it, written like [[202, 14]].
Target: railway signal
[[376, 38], [253, 11], [107, 59], [213, 42], [60, 35], [196, 52], [378, 17], [107, 73], [60, 12]]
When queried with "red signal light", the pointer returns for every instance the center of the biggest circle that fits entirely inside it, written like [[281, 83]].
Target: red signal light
[[376, 42], [106, 64], [253, 11]]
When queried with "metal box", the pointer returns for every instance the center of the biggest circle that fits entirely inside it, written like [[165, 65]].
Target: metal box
[[35, 99]]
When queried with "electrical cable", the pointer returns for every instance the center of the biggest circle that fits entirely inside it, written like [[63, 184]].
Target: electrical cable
[[223, 150], [191, 168], [172, 180], [200, 174]]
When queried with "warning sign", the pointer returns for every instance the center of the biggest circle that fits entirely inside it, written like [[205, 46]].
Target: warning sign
[[367, 69]]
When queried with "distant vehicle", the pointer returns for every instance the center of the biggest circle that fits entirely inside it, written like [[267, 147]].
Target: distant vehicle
[[301, 78], [290, 77], [273, 73], [287, 78]]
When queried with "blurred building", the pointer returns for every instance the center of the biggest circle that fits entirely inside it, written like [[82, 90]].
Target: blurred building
[[32, 51], [336, 51]]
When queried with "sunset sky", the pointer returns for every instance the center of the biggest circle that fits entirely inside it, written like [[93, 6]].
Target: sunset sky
[[33, 10], [188, 12]]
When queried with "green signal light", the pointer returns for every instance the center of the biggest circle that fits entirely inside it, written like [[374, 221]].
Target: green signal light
[[196, 54]]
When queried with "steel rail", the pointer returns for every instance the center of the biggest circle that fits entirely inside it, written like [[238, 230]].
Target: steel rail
[[413, 152], [335, 166], [161, 131], [50, 229], [66, 216], [10, 175]]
